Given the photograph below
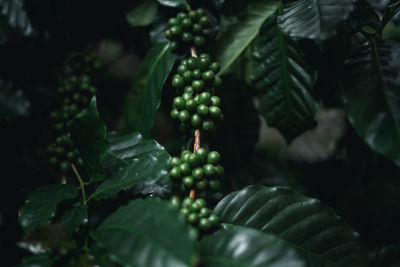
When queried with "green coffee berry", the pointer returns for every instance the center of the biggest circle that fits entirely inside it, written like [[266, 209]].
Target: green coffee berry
[[204, 98], [204, 224], [184, 115], [213, 219], [207, 125], [202, 153], [175, 162], [188, 181], [175, 201], [213, 157], [198, 173], [215, 101], [175, 173], [196, 120], [209, 169], [202, 184]]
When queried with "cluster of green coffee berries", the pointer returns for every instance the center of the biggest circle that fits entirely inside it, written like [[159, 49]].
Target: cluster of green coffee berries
[[75, 94], [198, 170], [197, 108], [84, 62], [196, 212], [188, 29]]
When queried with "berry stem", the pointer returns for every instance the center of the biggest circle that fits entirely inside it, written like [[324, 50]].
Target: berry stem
[[192, 194], [82, 185], [196, 144]]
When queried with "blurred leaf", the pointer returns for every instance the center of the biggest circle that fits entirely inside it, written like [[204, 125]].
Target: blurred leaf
[[281, 74], [42, 260], [174, 3], [314, 19], [46, 238], [390, 12], [13, 102], [147, 233], [74, 218], [88, 132], [371, 96], [298, 219], [379, 4], [239, 35], [143, 14], [15, 17], [247, 247], [136, 165], [40, 205], [141, 106], [387, 256]]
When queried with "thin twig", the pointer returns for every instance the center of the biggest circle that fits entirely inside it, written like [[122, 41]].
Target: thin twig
[[82, 184]]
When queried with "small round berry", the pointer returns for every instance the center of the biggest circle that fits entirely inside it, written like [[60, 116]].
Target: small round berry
[[199, 40], [179, 103], [204, 62], [207, 125], [176, 31], [193, 15], [186, 96], [65, 166], [196, 74], [202, 110], [196, 120], [215, 111], [188, 89], [217, 81], [175, 162], [204, 212], [204, 224], [208, 75], [175, 201], [214, 220], [219, 170], [197, 28], [187, 76], [174, 46], [53, 160], [71, 155], [180, 16], [195, 207], [192, 63], [215, 67], [185, 211], [184, 169], [79, 161], [184, 155], [181, 69], [168, 34], [215, 100], [174, 113], [214, 184], [201, 11], [184, 115], [198, 173], [193, 160], [191, 105], [206, 32], [177, 82], [187, 202], [198, 85], [202, 184], [213, 157], [205, 98], [186, 23], [175, 173], [187, 37], [209, 169], [202, 153], [188, 181], [173, 21], [192, 218], [204, 21]]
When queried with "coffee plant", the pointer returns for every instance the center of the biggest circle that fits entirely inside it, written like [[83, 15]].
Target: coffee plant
[[200, 133]]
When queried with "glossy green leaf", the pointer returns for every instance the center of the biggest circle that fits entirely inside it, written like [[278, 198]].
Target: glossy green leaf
[[141, 106], [242, 32], [147, 233], [241, 246], [143, 14], [12, 12], [74, 218], [293, 217], [88, 132], [42, 260], [371, 96], [48, 238], [40, 205], [174, 3], [285, 82], [135, 162], [314, 19], [13, 102]]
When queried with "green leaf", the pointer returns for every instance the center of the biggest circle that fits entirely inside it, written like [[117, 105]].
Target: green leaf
[[42, 260], [242, 32], [13, 102], [390, 12], [314, 19], [74, 218], [12, 13], [40, 205], [141, 106], [143, 14], [147, 233], [174, 3], [135, 163], [48, 238], [370, 96], [247, 247], [293, 217], [286, 83], [88, 132]]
